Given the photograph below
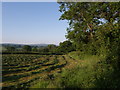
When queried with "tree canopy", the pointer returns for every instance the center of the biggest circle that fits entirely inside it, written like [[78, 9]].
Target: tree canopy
[[86, 18], [27, 48]]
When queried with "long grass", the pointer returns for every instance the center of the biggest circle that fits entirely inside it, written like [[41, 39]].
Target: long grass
[[91, 71]]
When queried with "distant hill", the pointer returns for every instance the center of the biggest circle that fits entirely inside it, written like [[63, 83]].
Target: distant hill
[[39, 45], [20, 45], [3, 46]]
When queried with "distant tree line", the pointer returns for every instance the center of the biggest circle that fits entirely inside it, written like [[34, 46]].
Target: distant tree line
[[63, 48]]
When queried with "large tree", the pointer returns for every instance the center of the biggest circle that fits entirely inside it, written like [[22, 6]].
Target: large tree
[[84, 18]]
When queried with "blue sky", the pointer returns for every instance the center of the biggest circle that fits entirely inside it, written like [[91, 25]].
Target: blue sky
[[32, 23]]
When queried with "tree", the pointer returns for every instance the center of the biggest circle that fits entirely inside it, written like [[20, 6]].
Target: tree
[[45, 49], [35, 49], [27, 48], [52, 48], [65, 47], [84, 18], [10, 48]]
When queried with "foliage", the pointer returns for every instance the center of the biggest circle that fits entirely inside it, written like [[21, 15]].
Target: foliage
[[85, 20], [90, 72], [27, 48], [94, 30], [65, 47], [35, 49], [10, 48], [93, 35]]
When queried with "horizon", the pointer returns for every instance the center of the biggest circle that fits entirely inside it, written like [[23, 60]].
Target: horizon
[[29, 43], [32, 23]]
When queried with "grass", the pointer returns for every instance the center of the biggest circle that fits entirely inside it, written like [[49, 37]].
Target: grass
[[91, 71], [82, 75], [74, 70]]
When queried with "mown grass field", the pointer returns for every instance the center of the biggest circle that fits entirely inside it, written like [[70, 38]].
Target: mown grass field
[[58, 71], [24, 71]]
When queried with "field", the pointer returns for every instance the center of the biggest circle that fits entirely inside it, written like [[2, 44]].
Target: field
[[23, 71]]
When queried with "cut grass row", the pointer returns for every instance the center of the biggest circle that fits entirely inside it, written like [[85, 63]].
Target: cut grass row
[[43, 61], [33, 62], [33, 74], [30, 69], [26, 67], [45, 82], [13, 60]]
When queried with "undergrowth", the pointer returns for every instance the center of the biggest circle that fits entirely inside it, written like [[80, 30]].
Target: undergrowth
[[92, 71]]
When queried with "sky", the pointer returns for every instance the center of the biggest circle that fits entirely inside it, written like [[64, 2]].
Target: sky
[[32, 23], [0, 22]]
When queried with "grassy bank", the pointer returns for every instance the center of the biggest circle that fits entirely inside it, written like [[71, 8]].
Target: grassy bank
[[91, 71]]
